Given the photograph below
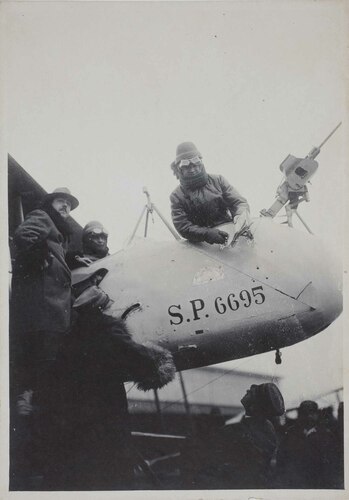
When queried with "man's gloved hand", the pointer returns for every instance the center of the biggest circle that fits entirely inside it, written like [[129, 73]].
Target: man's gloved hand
[[242, 221], [85, 261], [216, 236], [92, 298]]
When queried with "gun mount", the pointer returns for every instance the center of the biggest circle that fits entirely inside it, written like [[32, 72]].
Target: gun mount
[[293, 189]]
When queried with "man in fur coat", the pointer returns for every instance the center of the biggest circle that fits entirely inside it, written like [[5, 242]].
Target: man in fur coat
[[40, 319], [100, 355]]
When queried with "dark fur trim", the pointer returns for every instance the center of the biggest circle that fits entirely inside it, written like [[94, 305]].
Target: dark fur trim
[[60, 223], [164, 365]]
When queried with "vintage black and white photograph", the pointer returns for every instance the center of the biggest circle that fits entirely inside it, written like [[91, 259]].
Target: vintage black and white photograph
[[174, 182]]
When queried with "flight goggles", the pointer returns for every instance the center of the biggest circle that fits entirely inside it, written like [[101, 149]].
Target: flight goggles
[[185, 163], [98, 231]]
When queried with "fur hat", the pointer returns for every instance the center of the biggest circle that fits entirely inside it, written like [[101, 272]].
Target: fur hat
[[185, 151], [270, 400], [307, 407], [62, 192]]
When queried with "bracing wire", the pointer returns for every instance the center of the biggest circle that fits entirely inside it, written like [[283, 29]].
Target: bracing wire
[[273, 377]]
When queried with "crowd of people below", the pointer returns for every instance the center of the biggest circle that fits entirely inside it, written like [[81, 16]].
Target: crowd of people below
[[266, 450], [70, 357]]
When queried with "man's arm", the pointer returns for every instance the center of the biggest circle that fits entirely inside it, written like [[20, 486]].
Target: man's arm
[[33, 230], [30, 241], [182, 223], [149, 366], [190, 231], [236, 203]]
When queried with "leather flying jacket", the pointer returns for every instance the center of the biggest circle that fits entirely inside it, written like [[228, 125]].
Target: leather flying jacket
[[195, 211]]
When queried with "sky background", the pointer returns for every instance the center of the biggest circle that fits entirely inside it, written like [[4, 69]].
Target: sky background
[[96, 97]]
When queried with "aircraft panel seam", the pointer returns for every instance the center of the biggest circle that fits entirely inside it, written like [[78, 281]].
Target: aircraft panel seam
[[306, 286], [247, 275]]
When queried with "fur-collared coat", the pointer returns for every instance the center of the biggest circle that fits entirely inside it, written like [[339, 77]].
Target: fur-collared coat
[[97, 358], [41, 285]]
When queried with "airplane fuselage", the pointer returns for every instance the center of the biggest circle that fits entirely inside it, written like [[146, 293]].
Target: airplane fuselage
[[209, 305]]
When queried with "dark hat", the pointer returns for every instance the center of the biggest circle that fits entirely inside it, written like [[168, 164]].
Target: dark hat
[[308, 407], [270, 400], [185, 151], [64, 193]]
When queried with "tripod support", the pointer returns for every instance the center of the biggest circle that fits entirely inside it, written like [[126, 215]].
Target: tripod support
[[289, 212], [149, 209]]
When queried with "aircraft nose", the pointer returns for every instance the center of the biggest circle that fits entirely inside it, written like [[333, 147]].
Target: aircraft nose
[[323, 292], [296, 264]]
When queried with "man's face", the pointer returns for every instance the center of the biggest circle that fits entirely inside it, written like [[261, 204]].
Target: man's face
[[98, 241], [190, 168], [249, 399], [310, 417], [62, 206], [95, 243]]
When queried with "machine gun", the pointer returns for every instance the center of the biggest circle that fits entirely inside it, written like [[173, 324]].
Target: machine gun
[[293, 189]]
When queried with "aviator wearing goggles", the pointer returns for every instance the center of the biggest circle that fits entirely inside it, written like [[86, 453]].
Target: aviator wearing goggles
[[102, 233], [192, 161]]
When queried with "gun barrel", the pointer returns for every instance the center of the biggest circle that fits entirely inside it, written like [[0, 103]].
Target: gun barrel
[[327, 138], [316, 150]]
